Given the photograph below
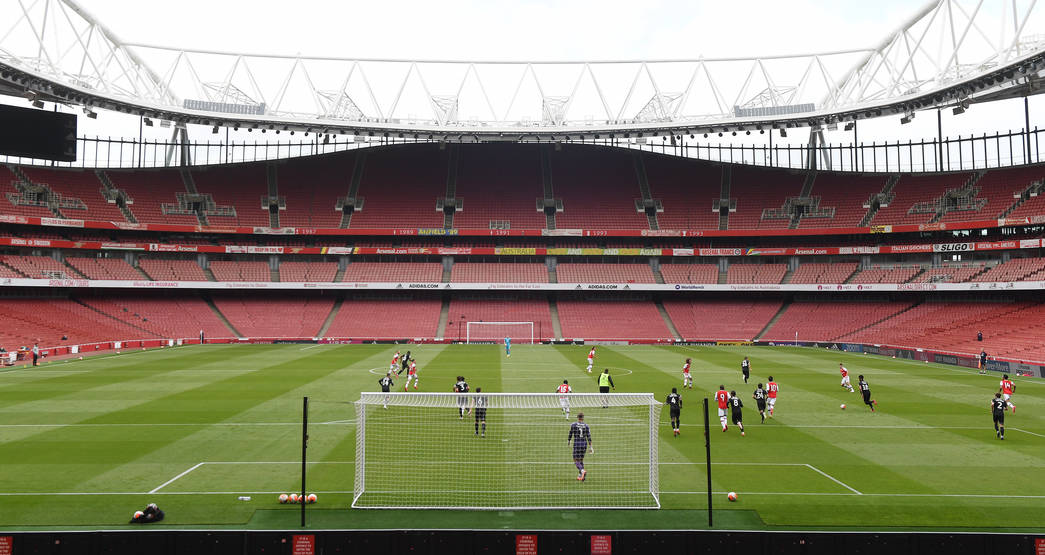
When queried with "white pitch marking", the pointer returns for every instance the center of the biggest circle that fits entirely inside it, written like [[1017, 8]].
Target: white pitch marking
[[833, 479], [1026, 432], [168, 482], [140, 424]]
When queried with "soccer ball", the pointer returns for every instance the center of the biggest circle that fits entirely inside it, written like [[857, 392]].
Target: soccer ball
[[283, 498], [138, 514], [842, 406], [294, 498], [732, 496], [311, 498]]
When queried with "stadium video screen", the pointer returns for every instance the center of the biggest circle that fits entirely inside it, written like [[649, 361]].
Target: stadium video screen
[[37, 134]]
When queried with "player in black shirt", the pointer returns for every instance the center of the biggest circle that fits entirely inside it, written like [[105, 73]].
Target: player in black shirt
[[998, 406], [481, 402], [760, 402], [405, 363], [462, 402], [735, 404], [745, 367], [674, 402], [865, 390], [386, 386]]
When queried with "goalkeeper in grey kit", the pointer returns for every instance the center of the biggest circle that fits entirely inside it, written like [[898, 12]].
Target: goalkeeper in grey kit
[[580, 434]]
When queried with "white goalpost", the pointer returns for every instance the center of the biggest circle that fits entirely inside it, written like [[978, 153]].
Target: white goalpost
[[414, 451], [496, 332]]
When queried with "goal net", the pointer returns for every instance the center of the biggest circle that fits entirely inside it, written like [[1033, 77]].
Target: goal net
[[419, 453], [520, 332]]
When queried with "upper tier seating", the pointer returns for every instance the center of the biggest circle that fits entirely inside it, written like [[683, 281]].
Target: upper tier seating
[[686, 190], [307, 271], [689, 273], [604, 273], [240, 270], [81, 184], [821, 272], [1034, 206], [417, 272], [949, 274], [465, 272], [400, 186], [292, 316], [756, 273], [846, 193], [598, 188], [240, 186], [756, 189], [997, 187], [311, 187], [104, 268], [490, 192], [912, 189], [371, 318], [736, 320], [1016, 269], [608, 320], [148, 190], [7, 180], [886, 275], [161, 269], [827, 321]]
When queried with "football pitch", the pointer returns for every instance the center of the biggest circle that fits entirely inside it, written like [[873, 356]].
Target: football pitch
[[83, 444]]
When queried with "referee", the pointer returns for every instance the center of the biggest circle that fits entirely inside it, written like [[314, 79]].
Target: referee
[[605, 383]]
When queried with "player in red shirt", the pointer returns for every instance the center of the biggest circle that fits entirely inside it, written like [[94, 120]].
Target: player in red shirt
[[1006, 387], [845, 377], [772, 388], [411, 374], [687, 380], [562, 390], [395, 362], [591, 358], [722, 398]]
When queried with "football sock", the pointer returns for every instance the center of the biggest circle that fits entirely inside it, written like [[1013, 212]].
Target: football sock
[[484, 428], [476, 426]]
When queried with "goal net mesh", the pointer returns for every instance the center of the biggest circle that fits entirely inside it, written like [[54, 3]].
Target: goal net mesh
[[485, 332], [419, 453]]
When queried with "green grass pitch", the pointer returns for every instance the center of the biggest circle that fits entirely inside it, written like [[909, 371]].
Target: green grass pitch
[[85, 443]]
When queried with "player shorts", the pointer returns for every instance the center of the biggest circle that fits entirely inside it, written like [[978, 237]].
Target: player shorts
[[564, 401], [747, 373], [845, 380], [462, 401], [1005, 396], [867, 396], [737, 417], [721, 413], [772, 402], [604, 389], [579, 448], [591, 361], [480, 414], [999, 417], [675, 413], [761, 405], [687, 376]]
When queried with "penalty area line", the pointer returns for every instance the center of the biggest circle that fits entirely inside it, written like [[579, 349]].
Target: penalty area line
[[832, 478], [168, 482], [1027, 432]]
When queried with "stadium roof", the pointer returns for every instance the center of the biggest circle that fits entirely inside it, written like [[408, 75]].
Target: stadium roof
[[949, 52]]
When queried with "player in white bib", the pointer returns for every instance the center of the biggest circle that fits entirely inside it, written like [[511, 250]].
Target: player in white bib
[[563, 389], [687, 379], [411, 375], [591, 359]]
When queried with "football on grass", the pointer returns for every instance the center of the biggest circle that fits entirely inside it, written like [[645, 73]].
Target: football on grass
[[283, 498], [842, 406], [732, 496]]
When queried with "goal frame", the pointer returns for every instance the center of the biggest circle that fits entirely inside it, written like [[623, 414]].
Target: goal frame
[[468, 329], [546, 400]]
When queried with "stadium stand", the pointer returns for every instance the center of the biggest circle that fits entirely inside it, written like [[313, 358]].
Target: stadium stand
[[307, 271], [502, 309], [162, 269], [9, 205], [149, 190], [311, 187], [163, 315], [1033, 206], [418, 272], [604, 273], [47, 321], [900, 274], [77, 184], [39, 267], [823, 272], [756, 273], [104, 268], [240, 270], [386, 318], [913, 189], [846, 193], [757, 189], [949, 274], [490, 193], [726, 319], [997, 188], [686, 190], [239, 186], [828, 321], [493, 272], [600, 319], [1016, 269], [598, 188], [689, 273], [400, 185], [272, 316]]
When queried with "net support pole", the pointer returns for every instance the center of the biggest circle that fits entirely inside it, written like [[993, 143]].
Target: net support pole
[[707, 455], [304, 449]]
